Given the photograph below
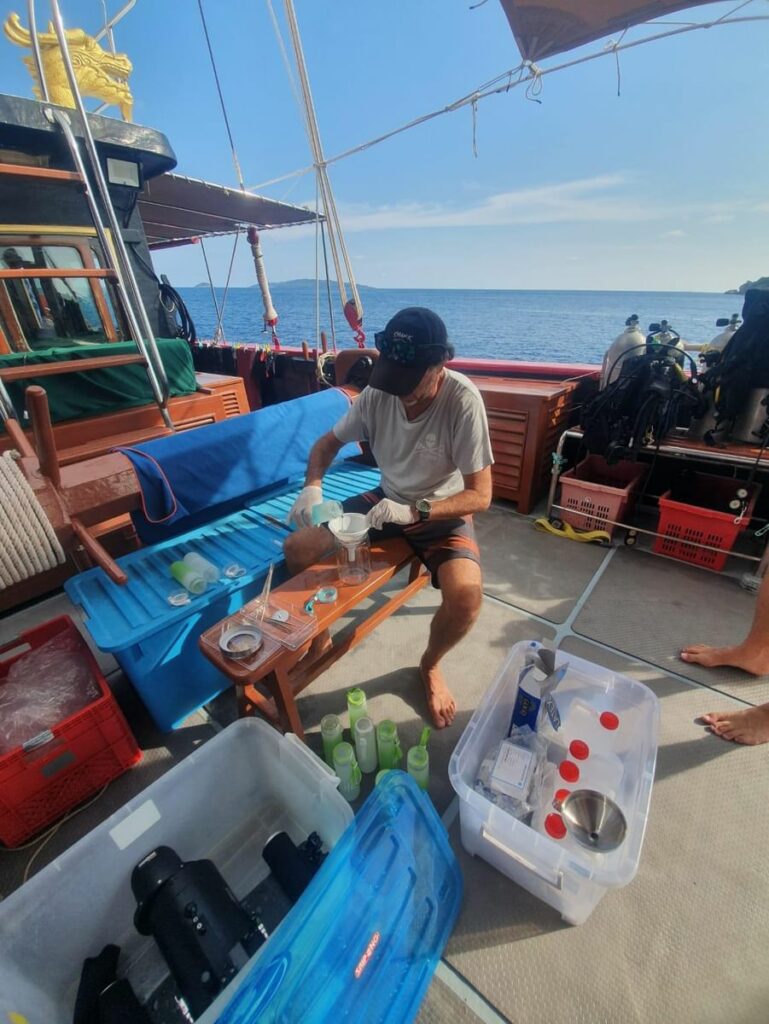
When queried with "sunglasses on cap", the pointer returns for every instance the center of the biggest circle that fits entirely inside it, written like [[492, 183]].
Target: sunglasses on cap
[[405, 351]]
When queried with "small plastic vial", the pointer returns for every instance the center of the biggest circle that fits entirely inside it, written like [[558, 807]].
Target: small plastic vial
[[206, 569], [388, 745], [347, 771], [356, 705], [189, 578], [331, 734], [365, 744], [418, 766]]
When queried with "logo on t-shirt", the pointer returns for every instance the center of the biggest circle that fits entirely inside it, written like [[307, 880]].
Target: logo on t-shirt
[[429, 446]]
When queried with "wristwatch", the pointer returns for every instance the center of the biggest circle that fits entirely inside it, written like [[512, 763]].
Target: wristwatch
[[424, 508]]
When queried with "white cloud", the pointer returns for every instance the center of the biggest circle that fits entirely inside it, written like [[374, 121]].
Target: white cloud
[[675, 233]]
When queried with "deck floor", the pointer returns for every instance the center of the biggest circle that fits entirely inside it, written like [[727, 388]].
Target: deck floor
[[688, 939]]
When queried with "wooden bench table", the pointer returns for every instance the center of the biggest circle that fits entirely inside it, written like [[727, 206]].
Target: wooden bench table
[[271, 687]]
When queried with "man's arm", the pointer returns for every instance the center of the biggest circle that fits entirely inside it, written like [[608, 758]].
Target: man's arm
[[476, 497], [322, 454]]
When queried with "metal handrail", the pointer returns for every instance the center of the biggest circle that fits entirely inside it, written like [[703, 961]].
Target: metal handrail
[[123, 268], [36, 50], [62, 120], [7, 411]]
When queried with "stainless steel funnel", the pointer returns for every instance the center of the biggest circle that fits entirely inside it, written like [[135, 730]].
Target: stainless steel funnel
[[594, 820]]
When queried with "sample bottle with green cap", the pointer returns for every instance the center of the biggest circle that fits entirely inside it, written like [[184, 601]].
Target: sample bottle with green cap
[[365, 744], [189, 577], [418, 760], [388, 745], [347, 771], [356, 706], [331, 734]]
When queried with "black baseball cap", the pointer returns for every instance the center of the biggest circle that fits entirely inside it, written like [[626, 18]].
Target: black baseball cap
[[413, 340]]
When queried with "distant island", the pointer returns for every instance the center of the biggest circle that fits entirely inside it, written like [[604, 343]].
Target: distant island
[[761, 282], [302, 282], [306, 282]]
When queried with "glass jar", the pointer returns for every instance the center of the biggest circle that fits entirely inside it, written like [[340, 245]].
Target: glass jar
[[354, 562]]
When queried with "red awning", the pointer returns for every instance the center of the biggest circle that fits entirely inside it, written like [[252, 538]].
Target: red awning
[[546, 27]]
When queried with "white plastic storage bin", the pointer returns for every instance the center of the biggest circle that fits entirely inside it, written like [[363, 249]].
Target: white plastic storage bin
[[223, 802], [621, 764]]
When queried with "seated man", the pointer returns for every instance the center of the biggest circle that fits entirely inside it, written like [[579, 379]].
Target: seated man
[[427, 429]]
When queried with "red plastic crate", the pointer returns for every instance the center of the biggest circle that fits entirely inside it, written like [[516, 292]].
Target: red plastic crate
[[681, 523], [595, 492], [85, 751]]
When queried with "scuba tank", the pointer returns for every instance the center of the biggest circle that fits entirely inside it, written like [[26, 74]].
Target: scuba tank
[[665, 334], [718, 344], [711, 356], [631, 340]]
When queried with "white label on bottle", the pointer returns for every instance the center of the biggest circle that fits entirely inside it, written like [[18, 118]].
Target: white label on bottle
[[135, 825], [512, 770]]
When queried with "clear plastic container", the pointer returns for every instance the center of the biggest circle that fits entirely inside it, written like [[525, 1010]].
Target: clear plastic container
[[222, 802], [354, 562], [617, 719]]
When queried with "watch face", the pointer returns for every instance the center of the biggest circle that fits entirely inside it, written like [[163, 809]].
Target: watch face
[[423, 505]]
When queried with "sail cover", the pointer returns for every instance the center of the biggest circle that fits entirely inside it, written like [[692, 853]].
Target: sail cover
[[545, 27]]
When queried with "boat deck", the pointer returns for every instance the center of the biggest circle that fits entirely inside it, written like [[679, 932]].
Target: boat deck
[[687, 940]]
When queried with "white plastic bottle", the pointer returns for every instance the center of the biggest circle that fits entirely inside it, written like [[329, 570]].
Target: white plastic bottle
[[630, 342]]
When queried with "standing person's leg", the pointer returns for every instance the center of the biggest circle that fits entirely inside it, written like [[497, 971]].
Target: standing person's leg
[[749, 726], [460, 583], [752, 655]]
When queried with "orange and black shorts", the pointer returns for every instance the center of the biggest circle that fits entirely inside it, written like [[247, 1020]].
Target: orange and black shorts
[[434, 541]]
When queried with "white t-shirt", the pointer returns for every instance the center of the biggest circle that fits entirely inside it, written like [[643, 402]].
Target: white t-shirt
[[426, 457]]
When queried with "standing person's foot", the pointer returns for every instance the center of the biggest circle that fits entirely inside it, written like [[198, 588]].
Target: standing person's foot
[[442, 705], [756, 662], [750, 726]]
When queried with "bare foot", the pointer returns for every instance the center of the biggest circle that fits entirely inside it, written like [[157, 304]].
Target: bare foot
[[756, 662], [750, 726], [442, 705]]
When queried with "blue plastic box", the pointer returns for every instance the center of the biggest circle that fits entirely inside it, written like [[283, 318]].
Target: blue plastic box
[[155, 643]]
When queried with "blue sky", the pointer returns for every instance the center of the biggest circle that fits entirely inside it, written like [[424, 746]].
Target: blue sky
[[663, 188]]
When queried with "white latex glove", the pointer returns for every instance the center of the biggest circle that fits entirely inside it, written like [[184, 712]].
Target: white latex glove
[[387, 511], [300, 513]]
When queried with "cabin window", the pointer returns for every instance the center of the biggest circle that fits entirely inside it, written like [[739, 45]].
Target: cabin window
[[53, 311]]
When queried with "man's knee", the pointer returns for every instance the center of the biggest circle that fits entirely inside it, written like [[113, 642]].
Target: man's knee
[[304, 547], [466, 601], [460, 581]]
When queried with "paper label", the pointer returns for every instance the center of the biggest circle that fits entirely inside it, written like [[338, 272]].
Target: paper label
[[135, 825], [512, 770]]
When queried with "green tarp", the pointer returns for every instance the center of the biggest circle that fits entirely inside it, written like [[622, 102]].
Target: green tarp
[[78, 395]]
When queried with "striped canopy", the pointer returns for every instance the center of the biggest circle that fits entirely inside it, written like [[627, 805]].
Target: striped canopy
[[545, 27]]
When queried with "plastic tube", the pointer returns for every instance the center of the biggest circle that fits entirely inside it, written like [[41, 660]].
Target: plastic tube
[[189, 578], [365, 744], [388, 745], [347, 770], [331, 734]]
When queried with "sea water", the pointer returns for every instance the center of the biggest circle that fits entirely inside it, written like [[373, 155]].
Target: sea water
[[550, 326]]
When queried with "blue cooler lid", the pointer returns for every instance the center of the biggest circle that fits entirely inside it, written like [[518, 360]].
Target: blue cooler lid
[[363, 941]]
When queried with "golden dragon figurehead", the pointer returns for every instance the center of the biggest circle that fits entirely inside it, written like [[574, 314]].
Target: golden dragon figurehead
[[100, 74]]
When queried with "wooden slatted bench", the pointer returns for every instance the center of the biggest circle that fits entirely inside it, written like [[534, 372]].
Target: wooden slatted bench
[[271, 688]]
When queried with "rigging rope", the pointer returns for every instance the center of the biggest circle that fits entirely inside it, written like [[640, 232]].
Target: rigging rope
[[494, 89], [28, 542], [219, 332], [353, 310], [235, 160]]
